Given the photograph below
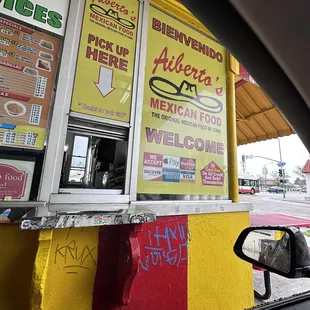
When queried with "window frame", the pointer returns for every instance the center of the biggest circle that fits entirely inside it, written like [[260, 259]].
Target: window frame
[[49, 190]]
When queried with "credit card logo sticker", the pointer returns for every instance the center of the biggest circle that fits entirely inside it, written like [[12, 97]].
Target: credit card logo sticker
[[152, 174], [188, 163], [171, 162], [153, 160], [171, 175], [188, 176]]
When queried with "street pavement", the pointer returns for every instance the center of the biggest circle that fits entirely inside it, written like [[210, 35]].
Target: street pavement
[[294, 205]]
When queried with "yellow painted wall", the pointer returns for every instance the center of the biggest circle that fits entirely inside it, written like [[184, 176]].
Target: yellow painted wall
[[217, 278], [71, 271], [17, 255]]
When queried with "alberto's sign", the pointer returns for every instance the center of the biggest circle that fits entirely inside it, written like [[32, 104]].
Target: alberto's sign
[[184, 138], [45, 14], [103, 82]]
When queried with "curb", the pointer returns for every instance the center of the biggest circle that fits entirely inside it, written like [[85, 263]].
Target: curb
[[297, 201]]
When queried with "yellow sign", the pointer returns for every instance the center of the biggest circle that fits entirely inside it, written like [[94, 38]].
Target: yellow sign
[[184, 137], [103, 82]]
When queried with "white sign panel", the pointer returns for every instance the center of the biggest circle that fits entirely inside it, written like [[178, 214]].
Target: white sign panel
[[45, 14]]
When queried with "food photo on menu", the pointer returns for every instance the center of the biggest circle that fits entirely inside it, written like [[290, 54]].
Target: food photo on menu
[[46, 55], [46, 44], [30, 71], [14, 108], [44, 65]]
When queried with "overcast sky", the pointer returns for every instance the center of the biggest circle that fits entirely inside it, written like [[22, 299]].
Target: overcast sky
[[293, 154]]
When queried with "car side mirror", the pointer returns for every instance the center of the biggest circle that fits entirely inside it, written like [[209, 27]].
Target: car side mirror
[[282, 250]]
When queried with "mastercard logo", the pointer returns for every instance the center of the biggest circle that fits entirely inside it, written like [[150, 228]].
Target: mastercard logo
[[188, 163]]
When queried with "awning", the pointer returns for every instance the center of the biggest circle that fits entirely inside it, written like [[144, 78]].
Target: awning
[[257, 118]]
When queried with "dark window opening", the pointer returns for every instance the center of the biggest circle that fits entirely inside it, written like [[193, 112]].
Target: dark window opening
[[94, 162]]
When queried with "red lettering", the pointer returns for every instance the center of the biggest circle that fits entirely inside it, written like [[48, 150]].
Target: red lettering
[[170, 106], [156, 24], [153, 134], [195, 44], [168, 138], [154, 103], [90, 53], [219, 57], [210, 147], [177, 141], [187, 40], [187, 70], [113, 61], [177, 66], [173, 139], [220, 148], [199, 144], [108, 46], [170, 31], [212, 53], [162, 105], [123, 65], [187, 145], [103, 57], [91, 38], [161, 60], [180, 110]]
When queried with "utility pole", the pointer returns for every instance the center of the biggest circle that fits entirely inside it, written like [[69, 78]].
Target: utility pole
[[282, 168]]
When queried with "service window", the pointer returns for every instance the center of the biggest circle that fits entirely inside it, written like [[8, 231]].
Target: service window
[[183, 152], [98, 134], [94, 162]]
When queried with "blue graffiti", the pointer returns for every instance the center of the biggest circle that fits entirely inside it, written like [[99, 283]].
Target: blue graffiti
[[169, 247]]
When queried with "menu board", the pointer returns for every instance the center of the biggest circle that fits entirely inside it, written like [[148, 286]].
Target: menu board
[[28, 62]]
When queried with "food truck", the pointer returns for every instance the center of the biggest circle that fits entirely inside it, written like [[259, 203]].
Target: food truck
[[118, 163]]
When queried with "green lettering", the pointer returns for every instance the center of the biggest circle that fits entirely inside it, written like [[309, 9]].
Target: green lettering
[[24, 7], [40, 14], [8, 4], [54, 19]]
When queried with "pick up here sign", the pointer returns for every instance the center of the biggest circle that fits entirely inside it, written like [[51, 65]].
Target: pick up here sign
[[45, 14]]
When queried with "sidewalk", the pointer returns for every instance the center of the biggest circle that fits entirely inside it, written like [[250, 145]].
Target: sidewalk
[[298, 200]]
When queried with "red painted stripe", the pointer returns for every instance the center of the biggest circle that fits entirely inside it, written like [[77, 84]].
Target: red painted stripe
[[15, 26], [161, 281], [11, 65], [244, 190], [13, 96]]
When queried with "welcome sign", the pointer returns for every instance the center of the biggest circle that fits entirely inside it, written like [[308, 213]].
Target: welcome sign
[[184, 134]]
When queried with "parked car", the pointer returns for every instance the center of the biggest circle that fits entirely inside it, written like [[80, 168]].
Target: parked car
[[304, 189], [275, 189]]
